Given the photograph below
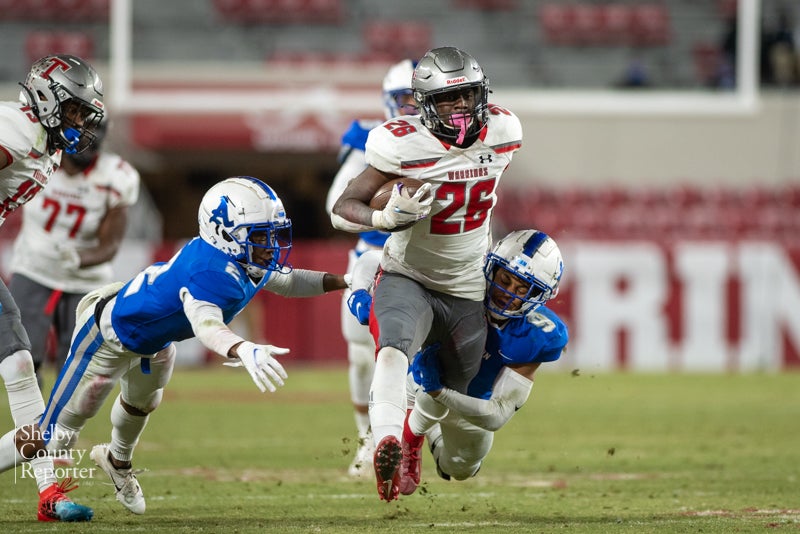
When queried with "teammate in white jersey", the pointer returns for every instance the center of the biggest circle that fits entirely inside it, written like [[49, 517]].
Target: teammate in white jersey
[[126, 332], [431, 287], [70, 234], [397, 101], [60, 105]]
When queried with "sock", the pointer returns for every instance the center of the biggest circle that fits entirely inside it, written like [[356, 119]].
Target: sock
[[362, 424], [426, 413], [410, 437], [9, 455], [41, 466], [43, 471], [387, 408], [24, 398], [125, 432]]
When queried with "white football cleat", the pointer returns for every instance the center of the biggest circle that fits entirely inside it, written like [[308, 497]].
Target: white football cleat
[[128, 490], [361, 466]]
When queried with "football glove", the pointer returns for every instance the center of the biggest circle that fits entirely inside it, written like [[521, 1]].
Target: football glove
[[266, 371], [426, 368], [401, 210], [360, 304]]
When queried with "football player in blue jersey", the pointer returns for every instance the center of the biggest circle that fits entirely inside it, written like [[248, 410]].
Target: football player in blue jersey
[[125, 332], [398, 100], [523, 272]]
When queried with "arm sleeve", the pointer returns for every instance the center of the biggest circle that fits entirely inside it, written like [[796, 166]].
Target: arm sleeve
[[208, 324], [297, 283], [351, 167], [510, 392], [340, 223], [365, 268]]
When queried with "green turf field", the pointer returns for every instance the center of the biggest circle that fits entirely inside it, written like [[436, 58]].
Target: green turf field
[[588, 454]]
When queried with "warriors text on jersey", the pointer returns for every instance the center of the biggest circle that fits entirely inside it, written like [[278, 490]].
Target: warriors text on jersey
[[446, 251], [68, 213], [24, 142]]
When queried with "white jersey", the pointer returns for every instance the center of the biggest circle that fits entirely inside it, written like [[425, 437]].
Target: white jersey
[[446, 251], [24, 142], [69, 213]]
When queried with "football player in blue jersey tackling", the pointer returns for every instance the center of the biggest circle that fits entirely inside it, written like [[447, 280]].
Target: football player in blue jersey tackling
[[523, 272], [125, 332]]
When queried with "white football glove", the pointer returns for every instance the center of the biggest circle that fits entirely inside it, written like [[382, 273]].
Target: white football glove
[[266, 371], [401, 210], [68, 257]]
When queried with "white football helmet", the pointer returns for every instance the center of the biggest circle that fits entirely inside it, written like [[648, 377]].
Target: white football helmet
[[531, 256], [396, 84], [443, 70], [234, 217], [66, 95]]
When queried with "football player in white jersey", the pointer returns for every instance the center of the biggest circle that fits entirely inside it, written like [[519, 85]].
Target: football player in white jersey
[[431, 286], [70, 234], [523, 272], [126, 332], [60, 105], [397, 101]]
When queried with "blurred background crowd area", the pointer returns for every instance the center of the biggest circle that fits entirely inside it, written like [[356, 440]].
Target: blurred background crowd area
[[342, 47]]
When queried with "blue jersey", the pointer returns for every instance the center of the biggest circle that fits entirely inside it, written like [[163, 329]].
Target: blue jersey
[[355, 138], [537, 338], [148, 313]]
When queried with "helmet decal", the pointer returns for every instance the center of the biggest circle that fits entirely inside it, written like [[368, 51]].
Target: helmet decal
[[219, 214]]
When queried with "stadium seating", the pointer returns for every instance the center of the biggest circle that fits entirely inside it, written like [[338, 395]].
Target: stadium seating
[[398, 39], [609, 24], [280, 11], [55, 10], [41, 43], [661, 214]]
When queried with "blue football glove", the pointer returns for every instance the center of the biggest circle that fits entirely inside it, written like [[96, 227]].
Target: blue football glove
[[426, 368], [360, 303]]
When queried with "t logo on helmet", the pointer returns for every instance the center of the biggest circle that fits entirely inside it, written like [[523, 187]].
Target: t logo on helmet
[[55, 63]]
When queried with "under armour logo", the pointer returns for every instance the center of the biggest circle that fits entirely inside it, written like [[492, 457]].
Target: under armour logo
[[485, 158]]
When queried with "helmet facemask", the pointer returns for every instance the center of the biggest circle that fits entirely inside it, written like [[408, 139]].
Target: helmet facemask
[[459, 125], [264, 247]]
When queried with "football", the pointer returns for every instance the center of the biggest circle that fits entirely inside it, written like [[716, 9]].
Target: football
[[381, 196]]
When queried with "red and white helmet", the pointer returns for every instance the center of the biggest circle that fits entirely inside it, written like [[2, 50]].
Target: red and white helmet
[[66, 95], [445, 70], [235, 209]]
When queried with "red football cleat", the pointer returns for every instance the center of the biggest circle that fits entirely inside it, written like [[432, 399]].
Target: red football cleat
[[54, 505], [410, 467], [387, 460]]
